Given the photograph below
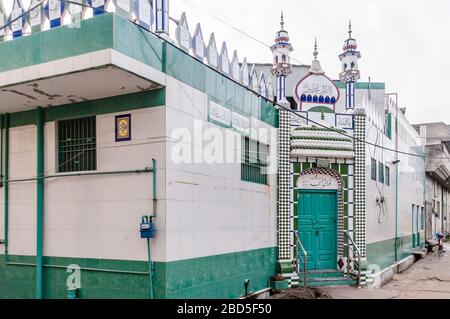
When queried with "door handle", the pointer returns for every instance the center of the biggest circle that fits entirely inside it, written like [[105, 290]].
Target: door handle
[[317, 233]]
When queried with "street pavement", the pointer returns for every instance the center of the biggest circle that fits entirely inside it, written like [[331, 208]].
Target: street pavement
[[429, 278]]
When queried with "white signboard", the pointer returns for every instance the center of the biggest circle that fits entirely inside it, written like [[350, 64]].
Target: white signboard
[[299, 119], [344, 121], [240, 123], [219, 114], [318, 181]]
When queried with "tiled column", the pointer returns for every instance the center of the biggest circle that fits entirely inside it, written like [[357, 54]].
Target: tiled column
[[284, 226], [360, 181]]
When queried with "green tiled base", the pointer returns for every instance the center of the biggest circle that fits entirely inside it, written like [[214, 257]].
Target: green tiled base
[[383, 253], [210, 277]]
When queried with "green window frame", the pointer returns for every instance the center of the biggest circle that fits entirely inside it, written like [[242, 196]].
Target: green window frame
[[77, 145], [388, 175], [254, 161], [373, 169], [381, 173], [422, 218]]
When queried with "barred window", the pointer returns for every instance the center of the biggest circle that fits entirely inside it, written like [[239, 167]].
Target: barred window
[[373, 169], [388, 176], [254, 161], [77, 145], [381, 173]]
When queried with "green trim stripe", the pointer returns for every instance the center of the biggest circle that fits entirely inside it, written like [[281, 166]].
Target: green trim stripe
[[108, 105], [363, 85], [220, 276]]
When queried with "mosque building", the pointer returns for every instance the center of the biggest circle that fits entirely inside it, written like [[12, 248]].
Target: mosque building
[[137, 161], [351, 202]]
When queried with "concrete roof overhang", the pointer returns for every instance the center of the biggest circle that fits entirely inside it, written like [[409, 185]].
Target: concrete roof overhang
[[32, 76]]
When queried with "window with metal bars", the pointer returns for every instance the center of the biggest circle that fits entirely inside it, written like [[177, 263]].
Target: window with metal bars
[[254, 161], [77, 145]]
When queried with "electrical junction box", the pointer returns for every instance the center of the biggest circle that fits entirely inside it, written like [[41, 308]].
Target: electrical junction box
[[147, 228]]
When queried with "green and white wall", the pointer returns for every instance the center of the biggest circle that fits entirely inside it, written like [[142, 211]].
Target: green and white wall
[[213, 231]]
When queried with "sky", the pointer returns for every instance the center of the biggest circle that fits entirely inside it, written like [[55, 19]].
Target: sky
[[404, 43]]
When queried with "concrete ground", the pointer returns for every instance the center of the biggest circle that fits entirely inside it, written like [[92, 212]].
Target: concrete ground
[[429, 278]]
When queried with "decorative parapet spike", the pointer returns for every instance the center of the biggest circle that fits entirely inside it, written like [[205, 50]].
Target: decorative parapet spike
[[142, 11], [235, 68], [75, 10], [16, 19], [54, 11], [182, 34], [270, 90], [262, 84], [98, 6], [212, 55], [36, 18], [254, 81], [224, 59], [198, 44], [245, 73], [120, 7]]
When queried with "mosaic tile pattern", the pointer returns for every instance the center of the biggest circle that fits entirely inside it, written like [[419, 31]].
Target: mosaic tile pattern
[[284, 222], [342, 171], [360, 178]]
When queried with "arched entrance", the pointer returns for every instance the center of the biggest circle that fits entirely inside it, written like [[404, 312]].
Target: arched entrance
[[320, 216]]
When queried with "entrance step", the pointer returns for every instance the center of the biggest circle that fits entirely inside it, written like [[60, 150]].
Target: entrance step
[[321, 278], [327, 273]]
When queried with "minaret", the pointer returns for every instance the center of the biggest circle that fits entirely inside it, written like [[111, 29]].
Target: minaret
[[281, 60], [350, 71]]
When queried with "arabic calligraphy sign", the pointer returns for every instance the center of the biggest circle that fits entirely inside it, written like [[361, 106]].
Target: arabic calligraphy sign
[[317, 181]]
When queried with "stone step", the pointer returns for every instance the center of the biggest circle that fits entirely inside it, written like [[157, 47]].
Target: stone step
[[333, 281]]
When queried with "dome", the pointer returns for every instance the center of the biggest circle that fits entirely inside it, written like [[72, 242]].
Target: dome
[[282, 36], [350, 45]]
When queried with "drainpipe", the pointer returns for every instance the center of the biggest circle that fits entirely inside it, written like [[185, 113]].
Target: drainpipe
[[150, 262], [6, 176], [40, 201], [397, 161]]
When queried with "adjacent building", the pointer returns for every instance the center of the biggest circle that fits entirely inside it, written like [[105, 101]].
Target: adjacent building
[[351, 171], [437, 136]]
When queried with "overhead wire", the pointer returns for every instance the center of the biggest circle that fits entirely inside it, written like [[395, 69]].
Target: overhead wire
[[275, 103]]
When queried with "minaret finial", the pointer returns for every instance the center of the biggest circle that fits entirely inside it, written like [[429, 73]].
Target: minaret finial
[[350, 28], [282, 20], [315, 53]]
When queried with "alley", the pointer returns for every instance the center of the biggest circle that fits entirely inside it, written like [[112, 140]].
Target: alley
[[429, 278]]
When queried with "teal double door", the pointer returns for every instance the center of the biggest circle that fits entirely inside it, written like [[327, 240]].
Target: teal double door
[[317, 227]]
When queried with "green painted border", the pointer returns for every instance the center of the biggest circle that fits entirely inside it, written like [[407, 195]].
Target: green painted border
[[383, 253], [58, 43], [220, 276], [108, 105]]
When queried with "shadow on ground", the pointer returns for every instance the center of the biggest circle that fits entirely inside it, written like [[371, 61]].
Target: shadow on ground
[[302, 293]]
